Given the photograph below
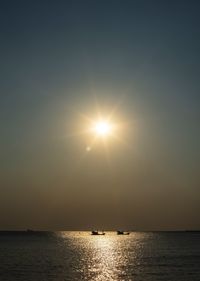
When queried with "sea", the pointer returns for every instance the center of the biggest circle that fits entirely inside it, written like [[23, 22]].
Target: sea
[[68, 256]]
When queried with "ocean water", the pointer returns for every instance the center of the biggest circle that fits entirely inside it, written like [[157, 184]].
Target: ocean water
[[145, 256]]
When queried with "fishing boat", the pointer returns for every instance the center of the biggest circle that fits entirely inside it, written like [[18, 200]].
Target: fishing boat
[[119, 232], [95, 232]]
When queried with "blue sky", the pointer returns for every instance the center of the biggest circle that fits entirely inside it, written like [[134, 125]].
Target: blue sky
[[60, 58]]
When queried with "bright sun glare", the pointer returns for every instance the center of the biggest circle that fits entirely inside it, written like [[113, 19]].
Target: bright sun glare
[[102, 128]]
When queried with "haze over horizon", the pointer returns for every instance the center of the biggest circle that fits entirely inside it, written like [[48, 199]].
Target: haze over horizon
[[63, 62]]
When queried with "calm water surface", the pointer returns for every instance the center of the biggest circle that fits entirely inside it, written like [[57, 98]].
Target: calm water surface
[[81, 256]]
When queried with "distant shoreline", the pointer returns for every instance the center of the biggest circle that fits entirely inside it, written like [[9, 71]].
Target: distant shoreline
[[29, 232]]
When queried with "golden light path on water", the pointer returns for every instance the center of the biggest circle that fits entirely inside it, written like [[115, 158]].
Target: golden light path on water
[[103, 257], [107, 258]]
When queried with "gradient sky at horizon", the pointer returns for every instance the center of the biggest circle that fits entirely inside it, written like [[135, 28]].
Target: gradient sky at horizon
[[62, 59]]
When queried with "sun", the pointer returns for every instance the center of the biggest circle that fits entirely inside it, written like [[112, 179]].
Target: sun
[[102, 128]]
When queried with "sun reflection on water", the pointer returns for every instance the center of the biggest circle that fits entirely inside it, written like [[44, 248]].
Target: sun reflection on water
[[103, 258]]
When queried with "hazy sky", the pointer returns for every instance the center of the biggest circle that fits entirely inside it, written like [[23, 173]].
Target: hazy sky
[[59, 62]]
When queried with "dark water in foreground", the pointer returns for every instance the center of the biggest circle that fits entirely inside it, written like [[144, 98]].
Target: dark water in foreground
[[80, 256]]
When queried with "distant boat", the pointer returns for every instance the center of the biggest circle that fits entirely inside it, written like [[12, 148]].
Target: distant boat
[[95, 232], [119, 232], [30, 230]]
